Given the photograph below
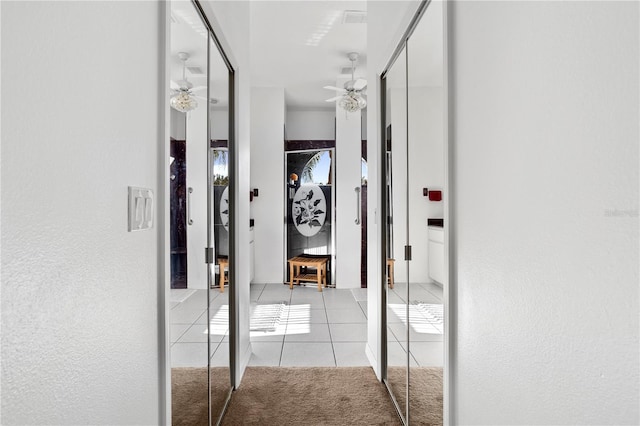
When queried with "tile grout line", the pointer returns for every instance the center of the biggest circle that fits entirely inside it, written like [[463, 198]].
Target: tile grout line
[[333, 349], [284, 338]]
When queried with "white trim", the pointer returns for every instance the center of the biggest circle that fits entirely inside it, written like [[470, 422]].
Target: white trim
[[164, 272], [372, 360], [448, 296]]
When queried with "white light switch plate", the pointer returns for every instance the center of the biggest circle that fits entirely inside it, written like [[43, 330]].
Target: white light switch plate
[[140, 208]]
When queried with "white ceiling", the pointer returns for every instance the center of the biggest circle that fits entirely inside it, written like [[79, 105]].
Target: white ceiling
[[302, 46], [188, 34]]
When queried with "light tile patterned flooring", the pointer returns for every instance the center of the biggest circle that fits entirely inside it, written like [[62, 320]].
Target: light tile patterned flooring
[[304, 327], [327, 328]]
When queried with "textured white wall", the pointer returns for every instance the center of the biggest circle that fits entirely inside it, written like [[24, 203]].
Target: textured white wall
[[79, 292], [545, 144], [267, 174], [311, 125]]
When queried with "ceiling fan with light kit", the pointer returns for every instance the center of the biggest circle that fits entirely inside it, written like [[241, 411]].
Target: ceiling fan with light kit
[[350, 97], [183, 98]]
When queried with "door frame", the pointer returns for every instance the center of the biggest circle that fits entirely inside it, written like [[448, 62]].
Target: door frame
[[333, 203]]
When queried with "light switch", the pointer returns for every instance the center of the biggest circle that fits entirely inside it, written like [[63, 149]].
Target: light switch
[[140, 209]]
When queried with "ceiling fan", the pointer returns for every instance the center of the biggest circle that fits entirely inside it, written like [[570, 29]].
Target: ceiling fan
[[350, 98], [182, 97]]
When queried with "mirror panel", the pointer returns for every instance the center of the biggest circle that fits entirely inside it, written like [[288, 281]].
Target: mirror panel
[[396, 234], [199, 314], [218, 104], [426, 215]]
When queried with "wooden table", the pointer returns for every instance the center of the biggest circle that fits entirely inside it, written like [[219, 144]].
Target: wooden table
[[298, 266]]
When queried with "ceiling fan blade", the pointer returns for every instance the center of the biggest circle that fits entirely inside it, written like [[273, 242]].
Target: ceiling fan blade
[[360, 84], [198, 88], [174, 85], [333, 99], [337, 89]]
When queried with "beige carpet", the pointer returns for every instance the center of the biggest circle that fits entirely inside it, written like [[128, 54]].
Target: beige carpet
[[425, 392], [310, 396], [189, 394]]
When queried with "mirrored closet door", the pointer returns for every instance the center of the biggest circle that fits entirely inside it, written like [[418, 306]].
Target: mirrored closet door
[[415, 180], [397, 232], [200, 212]]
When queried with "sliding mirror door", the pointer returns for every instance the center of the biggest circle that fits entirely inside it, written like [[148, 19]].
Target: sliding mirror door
[[425, 168], [414, 150], [199, 250], [218, 231], [396, 232]]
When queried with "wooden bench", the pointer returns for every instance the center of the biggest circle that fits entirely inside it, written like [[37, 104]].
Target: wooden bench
[[223, 265], [298, 272], [390, 263]]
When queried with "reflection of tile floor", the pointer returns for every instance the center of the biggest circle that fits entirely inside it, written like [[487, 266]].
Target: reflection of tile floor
[[304, 327], [425, 325], [188, 328]]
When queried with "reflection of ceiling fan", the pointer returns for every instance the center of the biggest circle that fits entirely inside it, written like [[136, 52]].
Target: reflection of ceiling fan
[[350, 98], [182, 97]]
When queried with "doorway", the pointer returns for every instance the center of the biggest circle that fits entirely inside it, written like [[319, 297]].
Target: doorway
[[309, 213]]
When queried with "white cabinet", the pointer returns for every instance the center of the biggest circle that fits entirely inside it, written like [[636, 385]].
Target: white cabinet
[[436, 254]]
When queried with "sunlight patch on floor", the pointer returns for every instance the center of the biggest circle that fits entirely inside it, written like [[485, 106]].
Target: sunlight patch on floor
[[424, 318]]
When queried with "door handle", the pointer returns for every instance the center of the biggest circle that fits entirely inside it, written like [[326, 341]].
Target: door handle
[[357, 189], [189, 220]]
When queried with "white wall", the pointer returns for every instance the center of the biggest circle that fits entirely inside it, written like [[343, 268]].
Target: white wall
[[426, 170], [348, 176], [267, 174], [79, 292], [220, 123], [310, 125], [545, 148], [196, 155], [231, 22]]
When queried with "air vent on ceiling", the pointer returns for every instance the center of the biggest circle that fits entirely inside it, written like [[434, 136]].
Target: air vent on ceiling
[[195, 70], [354, 17]]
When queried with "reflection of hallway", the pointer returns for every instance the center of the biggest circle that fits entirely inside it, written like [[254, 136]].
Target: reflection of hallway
[[305, 327], [426, 326]]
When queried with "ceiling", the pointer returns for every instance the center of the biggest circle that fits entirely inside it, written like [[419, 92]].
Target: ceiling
[[188, 34], [301, 46]]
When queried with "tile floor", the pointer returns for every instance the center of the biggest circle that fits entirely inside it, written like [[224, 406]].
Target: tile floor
[[304, 327], [312, 328]]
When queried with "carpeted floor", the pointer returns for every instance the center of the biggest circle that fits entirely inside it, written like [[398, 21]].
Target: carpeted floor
[[425, 392], [308, 396], [189, 394]]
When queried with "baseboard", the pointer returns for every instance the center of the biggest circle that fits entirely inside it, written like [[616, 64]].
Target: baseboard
[[373, 360]]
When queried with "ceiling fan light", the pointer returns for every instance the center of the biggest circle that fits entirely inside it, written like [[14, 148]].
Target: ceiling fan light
[[183, 102], [352, 102]]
